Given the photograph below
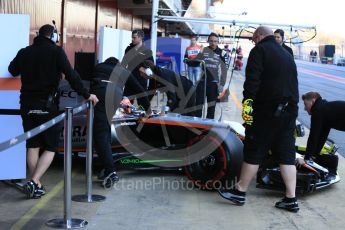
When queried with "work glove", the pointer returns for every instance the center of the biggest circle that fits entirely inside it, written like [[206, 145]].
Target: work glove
[[247, 110], [300, 162]]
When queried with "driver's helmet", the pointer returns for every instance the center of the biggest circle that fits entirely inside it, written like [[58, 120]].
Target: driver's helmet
[[126, 105]]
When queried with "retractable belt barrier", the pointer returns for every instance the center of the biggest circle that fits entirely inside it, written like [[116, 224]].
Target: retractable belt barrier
[[9, 112], [67, 116], [88, 197], [33, 132]]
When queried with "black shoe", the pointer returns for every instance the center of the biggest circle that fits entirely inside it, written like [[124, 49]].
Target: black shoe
[[32, 190], [29, 189], [289, 204], [40, 191], [109, 180], [233, 195]]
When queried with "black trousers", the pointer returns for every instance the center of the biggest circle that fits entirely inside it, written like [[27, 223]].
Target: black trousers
[[102, 140], [211, 94]]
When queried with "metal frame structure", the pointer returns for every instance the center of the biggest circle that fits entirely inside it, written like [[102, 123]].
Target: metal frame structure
[[156, 18], [228, 22]]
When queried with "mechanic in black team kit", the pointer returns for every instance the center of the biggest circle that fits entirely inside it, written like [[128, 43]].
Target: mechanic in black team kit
[[179, 89], [270, 98], [325, 115], [101, 126], [40, 66], [216, 72]]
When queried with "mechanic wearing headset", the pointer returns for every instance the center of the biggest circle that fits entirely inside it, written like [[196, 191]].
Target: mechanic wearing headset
[[179, 89], [40, 66], [101, 127], [325, 115], [270, 98], [216, 73]]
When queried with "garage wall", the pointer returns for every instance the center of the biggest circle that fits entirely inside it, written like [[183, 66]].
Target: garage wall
[[137, 23], [107, 14], [79, 18], [125, 20], [41, 12]]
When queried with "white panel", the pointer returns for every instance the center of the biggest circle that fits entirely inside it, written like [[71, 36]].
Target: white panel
[[125, 40], [12, 160], [15, 35], [112, 43], [12, 100]]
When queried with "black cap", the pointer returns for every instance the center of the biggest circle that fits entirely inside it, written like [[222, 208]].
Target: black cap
[[111, 61], [46, 30]]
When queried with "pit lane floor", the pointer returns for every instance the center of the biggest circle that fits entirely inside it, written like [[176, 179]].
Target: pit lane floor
[[163, 200]]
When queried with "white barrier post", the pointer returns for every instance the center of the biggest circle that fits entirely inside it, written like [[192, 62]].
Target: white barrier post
[[204, 111], [67, 222], [88, 197]]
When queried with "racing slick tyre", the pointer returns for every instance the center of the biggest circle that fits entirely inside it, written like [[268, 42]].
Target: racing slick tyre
[[221, 167]]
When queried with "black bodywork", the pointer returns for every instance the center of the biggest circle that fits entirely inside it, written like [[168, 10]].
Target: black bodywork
[[208, 151]]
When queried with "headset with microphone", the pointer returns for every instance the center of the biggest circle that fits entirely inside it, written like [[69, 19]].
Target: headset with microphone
[[55, 35], [149, 72]]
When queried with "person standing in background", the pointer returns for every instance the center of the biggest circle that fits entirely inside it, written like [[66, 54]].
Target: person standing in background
[[135, 54], [194, 66], [215, 76], [227, 56], [279, 36]]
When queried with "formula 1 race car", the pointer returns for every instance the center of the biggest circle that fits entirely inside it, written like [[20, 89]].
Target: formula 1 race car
[[208, 151]]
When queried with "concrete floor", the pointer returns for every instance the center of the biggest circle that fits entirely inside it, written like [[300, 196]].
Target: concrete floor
[[156, 200]]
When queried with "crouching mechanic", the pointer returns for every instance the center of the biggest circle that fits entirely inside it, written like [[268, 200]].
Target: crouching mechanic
[[325, 115], [180, 91], [101, 125], [270, 98]]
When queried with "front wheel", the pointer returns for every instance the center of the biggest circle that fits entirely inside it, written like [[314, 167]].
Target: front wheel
[[221, 167]]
